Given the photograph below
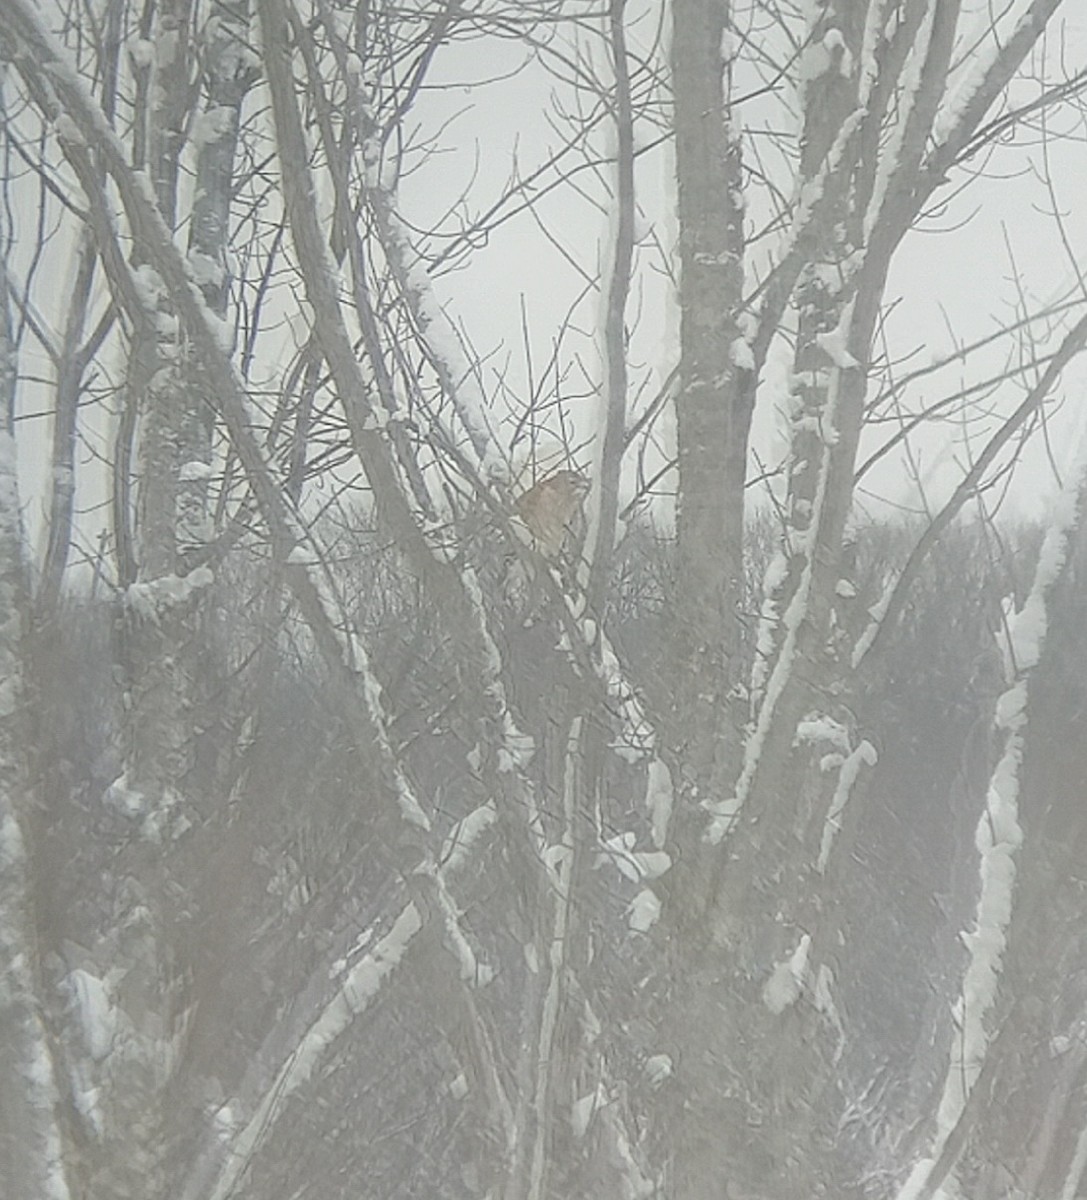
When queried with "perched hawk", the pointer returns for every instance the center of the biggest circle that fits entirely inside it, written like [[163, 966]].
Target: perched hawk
[[551, 508]]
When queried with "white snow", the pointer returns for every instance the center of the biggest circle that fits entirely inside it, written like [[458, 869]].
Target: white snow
[[8, 495], [918, 1177], [798, 962], [9, 696], [644, 911], [781, 990], [95, 1012], [151, 599], [40, 1075], [555, 858], [723, 814], [434, 327], [211, 125], [833, 40], [912, 76], [142, 52], [819, 728], [87, 1101], [816, 60], [149, 286], [583, 1109], [997, 838], [637, 736], [874, 24], [782, 669], [850, 768], [205, 270], [833, 345], [120, 796], [659, 799], [777, 571], [658, 1068], [1076, 1169], [740, 354], [997, 32], [68, 130], [633, 864], [12, 849], [472, 971], [194, 472], [222, 330], [823, 998], [786, 982], [465, 834], [224, 1121], [358, 989], [636, 1184], [999, 833], [360, 986], [877, 612], [811, 191], [518, 747]]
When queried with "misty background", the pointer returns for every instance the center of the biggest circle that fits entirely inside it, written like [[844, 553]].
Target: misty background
[[541, 579]]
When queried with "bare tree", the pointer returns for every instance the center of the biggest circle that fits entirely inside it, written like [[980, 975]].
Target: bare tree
[[467, 830]]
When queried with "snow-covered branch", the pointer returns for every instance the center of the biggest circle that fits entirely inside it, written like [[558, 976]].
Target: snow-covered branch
[[997, 839], [238, 1140]]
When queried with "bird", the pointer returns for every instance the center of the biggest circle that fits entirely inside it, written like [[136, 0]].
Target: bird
[[551, 507]]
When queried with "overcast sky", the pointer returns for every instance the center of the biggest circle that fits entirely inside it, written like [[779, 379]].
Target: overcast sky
[[952, 280]]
